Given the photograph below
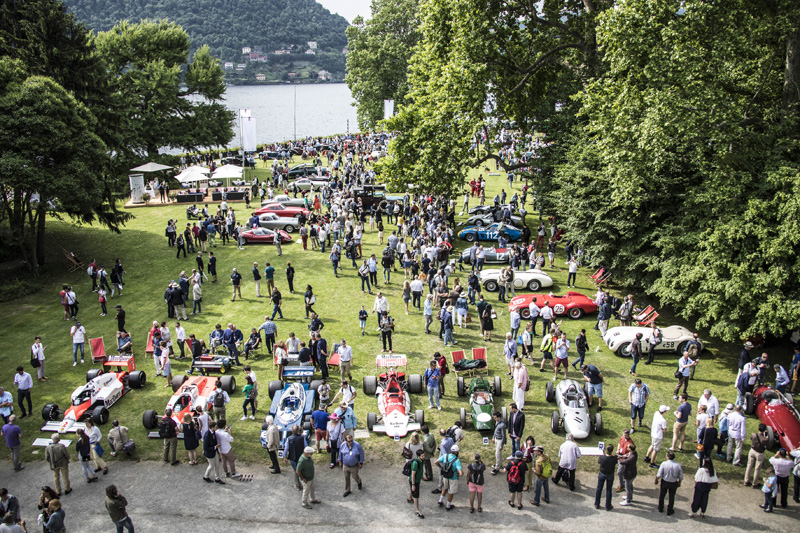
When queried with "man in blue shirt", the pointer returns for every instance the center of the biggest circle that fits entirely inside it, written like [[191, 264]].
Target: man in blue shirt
[[431, 379], [351, 457], [270, 329], [11, 432], [229, 340], [319, 419], [449, 462], [269, 274]]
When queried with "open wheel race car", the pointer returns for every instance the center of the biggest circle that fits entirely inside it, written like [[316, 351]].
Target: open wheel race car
[[394, 403], [292, 404], [189, 393], [481, 402], [777, 411], [573, 409], [102, 390]]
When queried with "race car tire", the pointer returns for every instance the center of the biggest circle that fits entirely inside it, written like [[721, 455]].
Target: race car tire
[[274, 386], [50, 412], [462, 416], [93, 373], [749, 403], [415, 383], [317, 383], [178, 381], [682, 347], [534, 285], [555, 422], [490, 285], [498, 386], [598, 423], [525, 313], [228, 384], [150, 419], [100, 415], [370, 385], [479, 223], [288, 228], [469, 237], [460, 386], [586, 390], [371, 420], [575, 313], [504, 415], [770, 438], [137, 379], [624, 350], [306, 426], [549, 392], [419, 416]]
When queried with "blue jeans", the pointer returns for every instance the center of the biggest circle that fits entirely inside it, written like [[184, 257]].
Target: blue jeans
[[365, 280], [197, 306], [335, 268], [579, 361], [125, 523], [545, 326], [448, 335], [538, 490], [635, 362], [471, 296], [433, 396], [387, 274], [514, 444], [75, 346], [232, 351], [608, 481], [276, 310], [322, 246]]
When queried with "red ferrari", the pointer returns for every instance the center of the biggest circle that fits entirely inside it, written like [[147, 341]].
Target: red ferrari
[[572, 304], [778, 413], [265, 235], [283, 210]]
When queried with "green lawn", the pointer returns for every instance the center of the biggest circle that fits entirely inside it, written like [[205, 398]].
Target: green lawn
[[151, 265]]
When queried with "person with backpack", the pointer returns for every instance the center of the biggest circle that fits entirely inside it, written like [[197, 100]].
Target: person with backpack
[[515, 475], [168, 430], [568, 454], [475, 482], [413, 469], [543, 469], [450, 468], [217, 400], [429, 447]]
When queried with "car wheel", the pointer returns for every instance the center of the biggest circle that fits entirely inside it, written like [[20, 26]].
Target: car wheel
[[50, 412], [307, 426], [555, 422], [288, 229], [498, 386], [415, 383], [228, 384], [460, 386], [274, 386], [549, 392], [682, 347], [525, 313], [534, 285], [150, 419], [624, 350], [93, 373], [137, 379], [749, 403], [479, 223], [178, 381], [462, 416], [490, 285], [313, 386], [575, 313], [469, 237], [598, 424], [419, 416], [371, 420], [770, 438], [370, 385], [100, 415]]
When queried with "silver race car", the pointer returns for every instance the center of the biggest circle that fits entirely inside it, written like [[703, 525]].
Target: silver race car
[[573, 410]]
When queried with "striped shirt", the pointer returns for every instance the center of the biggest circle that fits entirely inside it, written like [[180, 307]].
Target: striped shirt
[[639, 395], [269, 327]]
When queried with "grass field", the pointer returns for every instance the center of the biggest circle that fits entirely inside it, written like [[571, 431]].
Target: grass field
[[151, 264]]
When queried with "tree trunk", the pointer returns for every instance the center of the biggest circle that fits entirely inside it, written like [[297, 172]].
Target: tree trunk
[[39, 233], [791, 78]]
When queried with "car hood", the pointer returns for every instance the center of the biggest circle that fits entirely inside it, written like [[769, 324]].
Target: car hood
[[396, 424]]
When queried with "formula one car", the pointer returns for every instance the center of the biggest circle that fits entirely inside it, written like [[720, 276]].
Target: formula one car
[[275, 222], [102, 390], [489, 233], [264, 235], [481, 402], [394, 403], [675, 339], [491, 255], [282, 210], [777, 411], [533, 279], [292, 403], [573, 410], [572, 304], [190, 392]]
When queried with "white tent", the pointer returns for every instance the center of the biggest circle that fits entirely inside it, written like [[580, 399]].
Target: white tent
[[228, 172], [150, 167], [192, 175]]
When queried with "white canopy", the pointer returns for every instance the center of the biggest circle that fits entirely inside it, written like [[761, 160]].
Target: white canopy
[[228, 171], [150, 167], [191, 175]]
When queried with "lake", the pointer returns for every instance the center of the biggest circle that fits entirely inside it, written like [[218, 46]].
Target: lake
[[321, 109]]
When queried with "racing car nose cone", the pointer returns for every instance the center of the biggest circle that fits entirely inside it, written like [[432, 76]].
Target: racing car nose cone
[[484, 418]]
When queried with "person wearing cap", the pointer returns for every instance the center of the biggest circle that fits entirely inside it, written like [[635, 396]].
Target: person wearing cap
[[737, 431], [670, 473], [657, 435], [709, 400], [542, 481], [348, 418], [638, 394], [236, 282], [684, 373], [450, 483], [475, 480], [682, 415], [783, 469], [568, 454], [351, 459], [516, 479], [305, 473], [744, 357]]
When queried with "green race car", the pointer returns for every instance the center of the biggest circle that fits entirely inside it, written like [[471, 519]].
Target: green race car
[[481, 402]]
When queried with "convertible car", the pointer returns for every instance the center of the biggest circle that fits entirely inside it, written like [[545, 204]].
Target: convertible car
[[489, 233], [481, 402], [273, 221], [572, 304], [392, 388], [778, 413], [189, 393], [486, 219], [102, 390], [675, 339], [292, 403], [573, 411], [282, 210], [285, 199], [533, 280], [311, 183], [493, 255], [261, 235]]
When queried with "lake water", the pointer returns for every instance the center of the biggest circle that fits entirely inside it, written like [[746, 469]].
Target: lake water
[[321, 109]]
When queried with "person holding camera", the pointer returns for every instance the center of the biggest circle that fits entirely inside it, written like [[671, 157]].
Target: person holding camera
[[115, 505]]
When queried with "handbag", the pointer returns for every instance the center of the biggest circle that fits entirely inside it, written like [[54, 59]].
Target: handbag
[[678, 374], [99, 450], [312, 300], [699, 447], [35, 363], [406, 453]]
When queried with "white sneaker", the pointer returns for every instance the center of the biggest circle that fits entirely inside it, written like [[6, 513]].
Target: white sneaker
[[430, 407], [439, 408], [624, 502], [74, 364], [243, 418], [252, 417]]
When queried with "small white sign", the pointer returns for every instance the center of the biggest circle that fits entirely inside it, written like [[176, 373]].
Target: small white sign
[[601, 445], [280, 454], [397, 438], [485, 441]]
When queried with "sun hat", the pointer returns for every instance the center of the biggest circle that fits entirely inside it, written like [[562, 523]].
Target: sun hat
[[663, 409]]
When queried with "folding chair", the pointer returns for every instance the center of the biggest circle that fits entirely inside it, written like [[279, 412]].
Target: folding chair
[[98, 350], [649, 321], [645, 313], [605, 279], [333, 358], [480, 353], [149, 343], [457, 356], [597, 275]]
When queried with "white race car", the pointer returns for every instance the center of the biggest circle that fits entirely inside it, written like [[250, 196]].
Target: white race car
[[394, 403], [573, 410], [533, 280], [675, 339]]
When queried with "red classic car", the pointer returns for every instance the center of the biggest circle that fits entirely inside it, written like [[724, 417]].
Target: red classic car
[[257, 235], [282, 210], [572, 304], [190, 392], [778, 413]]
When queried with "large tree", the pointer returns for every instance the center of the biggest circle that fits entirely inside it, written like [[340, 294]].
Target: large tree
[[378, 53]]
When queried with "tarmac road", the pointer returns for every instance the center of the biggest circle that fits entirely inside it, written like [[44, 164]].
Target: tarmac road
[[170, 498]]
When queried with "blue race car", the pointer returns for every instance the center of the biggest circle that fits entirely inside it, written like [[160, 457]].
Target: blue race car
[[490, 232], [292, 404]]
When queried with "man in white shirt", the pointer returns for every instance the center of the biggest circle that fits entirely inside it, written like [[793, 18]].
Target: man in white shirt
[[534, 311], [24, 384], [547, 315], [520, 383], [711, 403], [568, 454], [737, 431], [345, 360], [381, 304], [347, 392], [180, 336], [37, 352], [562, 353], [224, 439], [657, 435], [78, 334], [95, 436], [217, 400]]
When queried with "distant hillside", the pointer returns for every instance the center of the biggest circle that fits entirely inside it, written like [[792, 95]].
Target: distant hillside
[[229, 26]]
